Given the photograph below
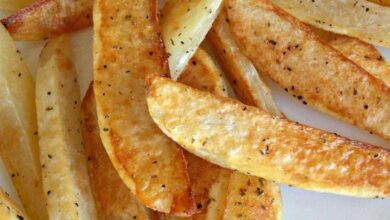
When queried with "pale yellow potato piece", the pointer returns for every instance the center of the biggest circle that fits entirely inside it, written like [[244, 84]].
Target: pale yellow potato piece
[[9, 210], [360, 52], [184, 25], [45, 18], [127, 48], [241, 73], [236, 136], [114, 201], [18, 128], [64, 165], [13, 5], [365, 20], [291, 54]]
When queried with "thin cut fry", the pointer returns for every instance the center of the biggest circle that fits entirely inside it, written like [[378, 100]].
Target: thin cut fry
[[9, 210], [367, 21], [240, 71], [128, 47], [296, 58], [13, 5], [45, 18], [362, 53], [184, 25], [18, 129], [114, 201], [236, 136], [59, 124]]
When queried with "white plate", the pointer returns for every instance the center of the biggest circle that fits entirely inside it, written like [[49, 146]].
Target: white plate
[[297, 204]]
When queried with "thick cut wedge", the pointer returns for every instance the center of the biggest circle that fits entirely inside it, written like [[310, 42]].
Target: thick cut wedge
[[18, 128], [9, 210], [365, 20], [184, 25], [114, 201], [240, 71], [296, 58], [236, 136], [64, 165], [13, 5], [362, 53], [45, 18], [128, 47]]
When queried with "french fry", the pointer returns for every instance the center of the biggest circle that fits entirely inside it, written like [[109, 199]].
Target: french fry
[[114, 201], [128, 47], [64, 166], [184, 25], [18, 129], [360, 52], [45, 18], [296, 58], [233, 135], [215, 189], [13, 5], [240, 71], [365, 20], [9, 210]]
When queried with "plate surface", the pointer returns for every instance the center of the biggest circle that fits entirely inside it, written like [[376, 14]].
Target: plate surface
[[297, 204]]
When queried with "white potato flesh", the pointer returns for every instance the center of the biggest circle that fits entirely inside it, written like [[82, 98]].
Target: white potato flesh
[[184, 25], [64, 166], [19, 143]]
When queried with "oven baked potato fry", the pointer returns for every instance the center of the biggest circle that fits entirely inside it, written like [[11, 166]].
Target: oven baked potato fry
[[9, 210], [242, 74], [45, 18], [127, 48], [365, 20], [360, 52], [233, 135], [114, 201], [184, 25], [18, 128], [296, 58], [59, 130], [215, 188], [13, 5]]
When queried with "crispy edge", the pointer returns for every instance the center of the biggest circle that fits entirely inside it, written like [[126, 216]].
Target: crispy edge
[[8, 209], [45, 18], [272, 147]]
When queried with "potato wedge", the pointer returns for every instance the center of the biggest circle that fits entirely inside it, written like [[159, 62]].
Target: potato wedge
[[59, 126], [128, 47], [240, 71], [13, 5], [233, 135], [360, 52], [184, 25], [365, 20], [45, 18], [9, 210], [18, 128], [114, 201], [291, 54]]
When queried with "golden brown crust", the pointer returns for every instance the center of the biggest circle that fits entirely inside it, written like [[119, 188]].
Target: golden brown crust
[[128, 47], [296, 58], [45, 18], [381, 2], [114, 200], [236, 136]]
